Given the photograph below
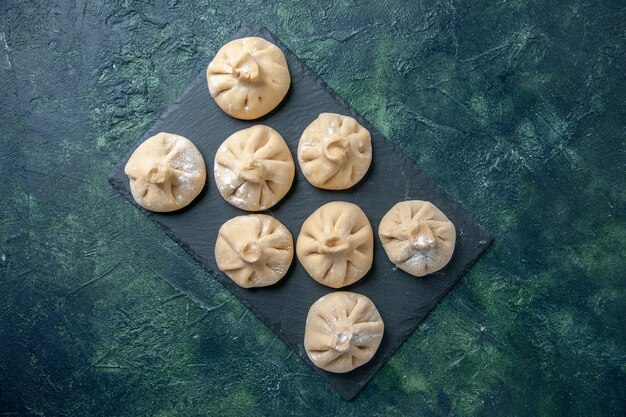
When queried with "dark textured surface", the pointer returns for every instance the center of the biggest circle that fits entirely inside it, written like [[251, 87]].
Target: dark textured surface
[[516, 107], [402, 300]]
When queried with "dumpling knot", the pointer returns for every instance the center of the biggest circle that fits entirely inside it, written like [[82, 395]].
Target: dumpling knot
[[247, 69], [159, 174], [336, 148], [252, 170], [251, 252], [334, 244], [421, 237], [342, 341]]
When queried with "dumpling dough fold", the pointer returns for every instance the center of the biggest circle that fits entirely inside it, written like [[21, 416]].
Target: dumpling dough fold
[[334, 152], [254, 250], [417, 237], [248, 77], [166, 172], [254, 168], [336, 244], [343, 331]]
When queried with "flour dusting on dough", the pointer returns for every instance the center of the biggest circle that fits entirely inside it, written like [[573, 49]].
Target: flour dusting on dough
[[166, 172], [187, 164], [243, 177]]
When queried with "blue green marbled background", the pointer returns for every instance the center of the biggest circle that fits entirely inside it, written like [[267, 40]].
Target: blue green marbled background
[[517, 107]]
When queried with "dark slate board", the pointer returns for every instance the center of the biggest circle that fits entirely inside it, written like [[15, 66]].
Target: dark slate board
[[403, 301]]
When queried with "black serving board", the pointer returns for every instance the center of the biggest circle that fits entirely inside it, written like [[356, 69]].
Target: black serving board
[[403, 300]]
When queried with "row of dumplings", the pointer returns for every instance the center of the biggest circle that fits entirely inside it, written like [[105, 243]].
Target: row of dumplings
[[253, 167], [335, 244]]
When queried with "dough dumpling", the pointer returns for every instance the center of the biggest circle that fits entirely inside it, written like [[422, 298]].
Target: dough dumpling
[[253, 168], [417, 237], [334, 152], [248, 77], [254, 250], [336, 244], [166, 172], [343, 331]]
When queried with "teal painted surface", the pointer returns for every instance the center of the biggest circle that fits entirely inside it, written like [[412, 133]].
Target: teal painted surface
[[518, 108]]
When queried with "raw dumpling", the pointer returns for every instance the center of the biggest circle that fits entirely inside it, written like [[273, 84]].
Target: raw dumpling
[[254, 168], [417, 237], [343, 331], [334, 152], [254, 250], [336, 244], [166, 172], [248, 78]]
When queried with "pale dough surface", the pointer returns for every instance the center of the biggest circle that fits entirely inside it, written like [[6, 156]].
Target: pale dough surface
[[417, 237], [248, 77], [254, 250], [334, 152], [343, 331], [166, 172], [336, 244], [254, 168]]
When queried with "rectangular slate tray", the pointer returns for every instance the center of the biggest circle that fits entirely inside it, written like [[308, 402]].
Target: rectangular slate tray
[[402, 300]]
